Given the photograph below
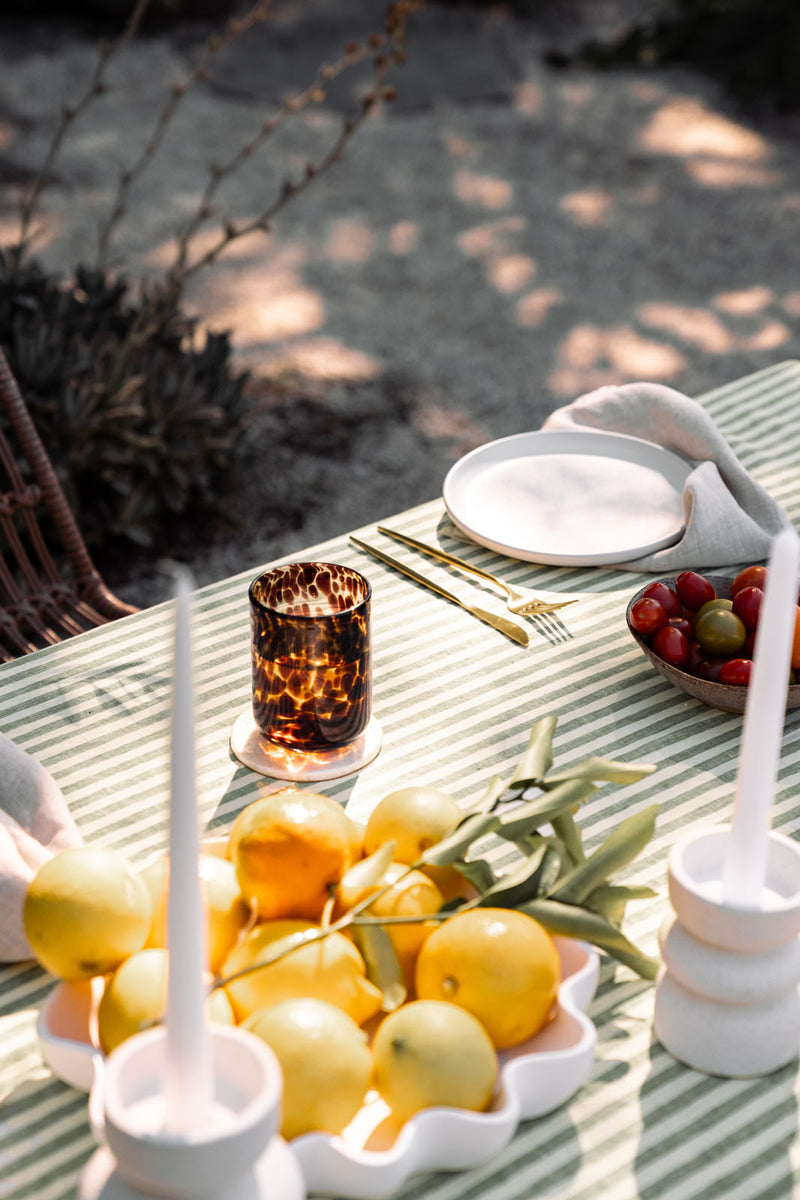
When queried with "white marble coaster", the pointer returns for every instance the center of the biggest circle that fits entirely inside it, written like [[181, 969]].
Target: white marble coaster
[[259, 754]]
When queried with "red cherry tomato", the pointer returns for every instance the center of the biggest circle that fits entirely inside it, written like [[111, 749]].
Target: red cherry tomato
[[736, 671], [749, 647], [685, 626], [796, 642], [694, 590], [647, 616], [695, 658], [666, 596], [671, 645], [749, 577], [710, 669], [747, 605]]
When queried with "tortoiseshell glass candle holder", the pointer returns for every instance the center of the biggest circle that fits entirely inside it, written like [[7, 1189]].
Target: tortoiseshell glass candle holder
[[311, 669]]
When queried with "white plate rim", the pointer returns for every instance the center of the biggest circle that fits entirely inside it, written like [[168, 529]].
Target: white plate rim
[[575, 441]]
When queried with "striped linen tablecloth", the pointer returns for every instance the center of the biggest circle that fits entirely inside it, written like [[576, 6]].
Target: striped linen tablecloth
[[456, 701]]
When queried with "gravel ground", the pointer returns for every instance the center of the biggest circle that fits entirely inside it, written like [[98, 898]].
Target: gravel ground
[[513, 230]]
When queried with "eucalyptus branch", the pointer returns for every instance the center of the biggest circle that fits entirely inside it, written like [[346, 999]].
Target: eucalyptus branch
[[234, 27], [314, 93], [397, 15], [69, 115]]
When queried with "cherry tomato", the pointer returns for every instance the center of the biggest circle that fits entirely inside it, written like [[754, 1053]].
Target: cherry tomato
[[710, 669], [749, 577], [685, 626], [710, 605], [647, 616], [671, 645], [720, 632], [747, 605], [749, 647], [736, 671], [796, 642], [666, 596], [695, 658], [694, 590]]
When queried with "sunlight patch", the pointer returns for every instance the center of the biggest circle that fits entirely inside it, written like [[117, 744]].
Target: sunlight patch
[[511, 272], [533, 307], [350, 242], [485, 190], [325, 359], [591, 207], [683, 126], [745, 302]]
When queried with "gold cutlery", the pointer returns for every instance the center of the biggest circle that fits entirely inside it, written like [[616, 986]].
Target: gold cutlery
[[521, 601], [509, 628]]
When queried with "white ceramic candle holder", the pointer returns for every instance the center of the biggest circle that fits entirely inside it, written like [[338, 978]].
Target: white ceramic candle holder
[[728, 994], [236, 1154]]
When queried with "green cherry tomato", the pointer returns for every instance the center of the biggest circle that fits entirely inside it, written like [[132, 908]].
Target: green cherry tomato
[[720, 632], [710, 605]]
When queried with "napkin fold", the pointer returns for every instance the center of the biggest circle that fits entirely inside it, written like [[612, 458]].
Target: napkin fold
[[729, 518], [35, 823]]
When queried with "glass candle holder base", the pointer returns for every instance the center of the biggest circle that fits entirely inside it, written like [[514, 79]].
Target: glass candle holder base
[[257, 752]]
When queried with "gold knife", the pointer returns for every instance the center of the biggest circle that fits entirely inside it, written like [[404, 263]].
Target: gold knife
[[509, 628]]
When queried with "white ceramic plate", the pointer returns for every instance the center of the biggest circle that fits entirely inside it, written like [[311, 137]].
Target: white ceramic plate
[[569, 497], [372, 1158]]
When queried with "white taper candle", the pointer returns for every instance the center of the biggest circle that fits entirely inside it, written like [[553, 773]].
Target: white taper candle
[[188, 1084], [745, 867]]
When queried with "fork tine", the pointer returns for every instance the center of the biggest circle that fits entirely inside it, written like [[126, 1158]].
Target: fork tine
[[541, 606]]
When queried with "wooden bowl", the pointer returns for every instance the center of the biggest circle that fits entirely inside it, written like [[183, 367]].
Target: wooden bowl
[[725, 696]]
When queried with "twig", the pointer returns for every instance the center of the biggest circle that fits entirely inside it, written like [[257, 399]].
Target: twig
[[397, 15], [234, 28], [313, 94], [69, 114]]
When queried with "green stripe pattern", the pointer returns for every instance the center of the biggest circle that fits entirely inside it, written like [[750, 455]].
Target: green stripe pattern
[[456, 701]]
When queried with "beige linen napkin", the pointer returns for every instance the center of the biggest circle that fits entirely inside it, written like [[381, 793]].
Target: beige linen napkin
[[34, 824], [729, 518]]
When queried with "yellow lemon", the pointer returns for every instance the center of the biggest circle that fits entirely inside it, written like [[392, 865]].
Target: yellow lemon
[[325, 1060], [416, 818], [136, 997], [85, 911], [428, 1053], [290, 849], [498, 964], [328, 969], [412, 895], [226, 911]]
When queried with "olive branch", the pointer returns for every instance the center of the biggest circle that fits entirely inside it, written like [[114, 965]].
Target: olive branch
[[552, 879]]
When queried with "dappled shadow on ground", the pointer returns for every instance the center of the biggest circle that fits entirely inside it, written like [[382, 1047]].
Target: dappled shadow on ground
[[490, 246]]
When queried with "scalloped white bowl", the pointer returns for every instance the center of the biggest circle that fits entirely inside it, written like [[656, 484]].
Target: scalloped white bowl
[[372, 1157]]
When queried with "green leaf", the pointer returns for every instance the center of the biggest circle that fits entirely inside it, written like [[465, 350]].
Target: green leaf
[[620, 848], [569, 920], [538, 757], [366, 873], [490, 797], [530, 814], [478, 872], [602, 770], [611, 900], [456, 843], [524, 881], [383, 966], [567, 829]]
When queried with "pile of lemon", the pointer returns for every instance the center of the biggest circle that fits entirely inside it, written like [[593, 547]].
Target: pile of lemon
[[479, 981]]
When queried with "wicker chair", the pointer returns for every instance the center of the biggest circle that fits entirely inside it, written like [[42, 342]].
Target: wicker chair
[[47, 592]]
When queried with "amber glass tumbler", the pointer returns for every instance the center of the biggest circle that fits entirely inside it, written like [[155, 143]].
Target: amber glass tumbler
[[311, 655]]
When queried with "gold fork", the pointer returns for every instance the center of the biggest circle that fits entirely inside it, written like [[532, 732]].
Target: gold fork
[[520, 601]]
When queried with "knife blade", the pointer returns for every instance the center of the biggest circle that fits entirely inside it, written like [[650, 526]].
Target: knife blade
[[502, 624]]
